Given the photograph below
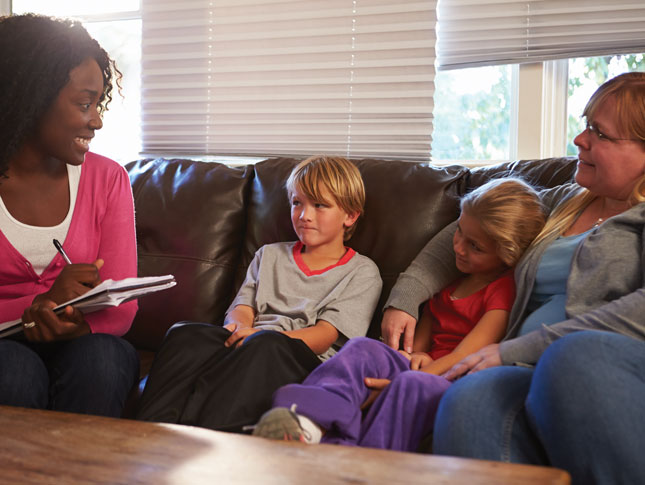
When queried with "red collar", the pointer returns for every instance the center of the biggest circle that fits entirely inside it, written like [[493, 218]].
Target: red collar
[[297, 256]]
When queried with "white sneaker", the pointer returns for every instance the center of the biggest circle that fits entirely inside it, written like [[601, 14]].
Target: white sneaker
[[287, 425]]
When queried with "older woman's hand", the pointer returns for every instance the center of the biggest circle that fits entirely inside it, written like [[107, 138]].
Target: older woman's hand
[[484, 358], [396, 322]]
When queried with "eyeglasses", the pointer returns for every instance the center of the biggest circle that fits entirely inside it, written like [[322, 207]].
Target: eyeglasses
[[593, 129]]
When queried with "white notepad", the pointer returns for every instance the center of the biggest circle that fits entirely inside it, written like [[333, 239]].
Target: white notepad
[[109, 293]]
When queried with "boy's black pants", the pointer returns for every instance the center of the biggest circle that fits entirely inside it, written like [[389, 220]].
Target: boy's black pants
[[195, 380]]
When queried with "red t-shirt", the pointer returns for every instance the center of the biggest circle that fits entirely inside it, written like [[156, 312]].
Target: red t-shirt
[[453, 319]]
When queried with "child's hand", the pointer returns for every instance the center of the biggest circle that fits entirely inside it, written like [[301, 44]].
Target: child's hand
[[419, 360], [376, 385], [238, 334], [405, 354]]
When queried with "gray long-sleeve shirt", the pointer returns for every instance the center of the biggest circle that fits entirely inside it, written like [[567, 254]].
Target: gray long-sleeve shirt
[[605, 289]]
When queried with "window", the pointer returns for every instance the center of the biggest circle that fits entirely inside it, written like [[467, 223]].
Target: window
[[67, 8], [472, 114], [459, 128], [535, 37], [116, 25], [585, 75]]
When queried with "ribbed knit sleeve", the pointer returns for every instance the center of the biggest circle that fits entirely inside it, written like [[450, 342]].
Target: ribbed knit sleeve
[[432, 269]]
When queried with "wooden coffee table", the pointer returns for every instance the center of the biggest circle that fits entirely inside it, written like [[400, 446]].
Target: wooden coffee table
[[46, 447]]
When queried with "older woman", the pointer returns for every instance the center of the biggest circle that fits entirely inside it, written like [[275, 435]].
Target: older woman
[[55, 82], [581, 407]]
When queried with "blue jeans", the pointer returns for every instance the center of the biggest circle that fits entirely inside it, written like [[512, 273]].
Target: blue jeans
[[581, 409], [92, 374]]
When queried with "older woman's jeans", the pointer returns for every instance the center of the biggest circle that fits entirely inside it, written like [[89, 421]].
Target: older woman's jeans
[[92, 374], [582, 409]]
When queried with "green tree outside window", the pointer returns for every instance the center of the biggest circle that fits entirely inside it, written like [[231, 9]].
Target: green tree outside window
[[585, 75]]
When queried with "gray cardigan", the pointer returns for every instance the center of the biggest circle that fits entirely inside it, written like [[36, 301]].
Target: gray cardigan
[[605, 289]]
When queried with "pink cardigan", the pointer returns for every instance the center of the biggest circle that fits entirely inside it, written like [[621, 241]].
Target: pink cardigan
[[102, 226]]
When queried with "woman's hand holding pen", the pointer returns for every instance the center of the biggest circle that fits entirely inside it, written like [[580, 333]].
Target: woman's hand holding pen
[[46, 326], [74, 280]]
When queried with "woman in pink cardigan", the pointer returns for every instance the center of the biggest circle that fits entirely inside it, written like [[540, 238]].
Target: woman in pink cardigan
[[55, 82]]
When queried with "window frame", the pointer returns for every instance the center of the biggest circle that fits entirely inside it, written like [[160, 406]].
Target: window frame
[[541, 109]]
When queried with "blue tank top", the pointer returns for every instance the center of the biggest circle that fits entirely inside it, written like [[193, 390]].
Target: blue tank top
[[549, 295]]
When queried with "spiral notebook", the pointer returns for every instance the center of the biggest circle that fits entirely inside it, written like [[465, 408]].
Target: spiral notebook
[[109, 293]]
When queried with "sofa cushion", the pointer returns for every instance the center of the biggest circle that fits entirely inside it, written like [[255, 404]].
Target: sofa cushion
[[190, 219], [547, 172]]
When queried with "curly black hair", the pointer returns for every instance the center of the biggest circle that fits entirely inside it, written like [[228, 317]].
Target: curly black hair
[[38, 53]]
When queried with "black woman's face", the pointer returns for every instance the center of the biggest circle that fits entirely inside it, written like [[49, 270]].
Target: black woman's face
[[68, 126]]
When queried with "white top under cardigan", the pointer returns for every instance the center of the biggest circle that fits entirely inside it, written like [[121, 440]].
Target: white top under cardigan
[[35, 242]]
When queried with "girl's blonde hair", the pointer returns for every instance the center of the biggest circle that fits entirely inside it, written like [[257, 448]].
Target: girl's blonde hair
[[510, 212], [338, 175], [628, 92]]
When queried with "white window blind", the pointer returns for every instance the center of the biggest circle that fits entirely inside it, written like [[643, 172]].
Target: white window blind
[[485, 32], [289, 77]]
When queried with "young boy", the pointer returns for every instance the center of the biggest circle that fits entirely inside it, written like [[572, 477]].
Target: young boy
[[300, 302]]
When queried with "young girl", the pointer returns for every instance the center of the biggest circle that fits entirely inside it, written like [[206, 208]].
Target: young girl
[[498, 222]]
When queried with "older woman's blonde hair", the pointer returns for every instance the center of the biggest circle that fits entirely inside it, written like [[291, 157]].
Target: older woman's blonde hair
[[628, 92], [338, 175], [510, 212]]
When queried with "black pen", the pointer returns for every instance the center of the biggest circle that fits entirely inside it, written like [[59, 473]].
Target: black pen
[[62, 252]]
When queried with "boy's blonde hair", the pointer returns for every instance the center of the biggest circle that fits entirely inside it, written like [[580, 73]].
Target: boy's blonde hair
[[510, 212], [336, 174], [628, 91]]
